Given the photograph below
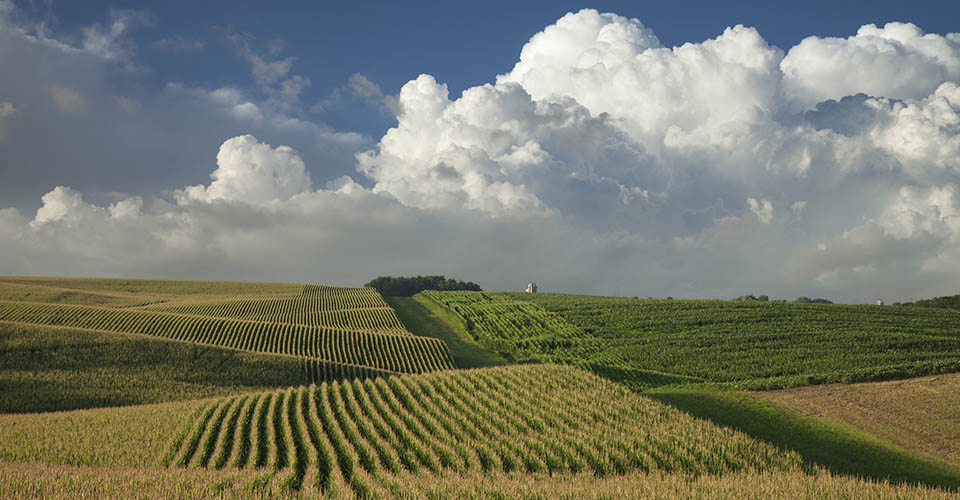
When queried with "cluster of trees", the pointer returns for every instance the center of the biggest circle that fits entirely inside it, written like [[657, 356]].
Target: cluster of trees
[[808, 300], [765, 298], [403, 286], [948, 302]]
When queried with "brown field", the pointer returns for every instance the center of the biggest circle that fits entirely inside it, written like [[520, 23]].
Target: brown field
[[921, 414]]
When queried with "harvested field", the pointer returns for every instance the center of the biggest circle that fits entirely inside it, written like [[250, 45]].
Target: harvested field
[[921, 415]]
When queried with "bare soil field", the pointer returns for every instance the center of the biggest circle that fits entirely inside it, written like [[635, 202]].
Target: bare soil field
[[921, 414]]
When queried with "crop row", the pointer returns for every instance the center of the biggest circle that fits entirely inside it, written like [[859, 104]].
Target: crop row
[[148, 287], [395, 353], [317, 370], [757, 344], [535, 418], [504, 323], [360, 309], [61, 482]]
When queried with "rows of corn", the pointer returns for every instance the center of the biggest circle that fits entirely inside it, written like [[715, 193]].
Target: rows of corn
[[536, 419]]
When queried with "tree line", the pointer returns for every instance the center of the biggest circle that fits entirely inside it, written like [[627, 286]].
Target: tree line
[[406, 286]]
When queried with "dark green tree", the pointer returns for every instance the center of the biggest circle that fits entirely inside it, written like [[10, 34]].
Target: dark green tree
[[405, 286]]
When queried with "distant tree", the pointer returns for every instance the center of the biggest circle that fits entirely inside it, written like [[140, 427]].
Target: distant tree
[[405, 286], [947, 302], [808, 300]]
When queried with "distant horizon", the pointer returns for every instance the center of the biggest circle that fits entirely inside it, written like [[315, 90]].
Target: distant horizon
[[518, 290]]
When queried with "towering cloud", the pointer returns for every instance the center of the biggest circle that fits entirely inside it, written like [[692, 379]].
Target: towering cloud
[[602, 162], [251, 172], [898, 61]]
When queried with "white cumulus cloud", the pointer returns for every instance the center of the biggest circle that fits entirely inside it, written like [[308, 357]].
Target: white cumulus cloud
[[899, 61], [252, 172], [601, 162]]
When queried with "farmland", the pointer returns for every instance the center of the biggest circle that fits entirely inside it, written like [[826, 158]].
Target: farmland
[[520, 431], [51, 369], [333, 331], [22, 481], [918, 414], [251, 390], [532, 419], [742, 344]]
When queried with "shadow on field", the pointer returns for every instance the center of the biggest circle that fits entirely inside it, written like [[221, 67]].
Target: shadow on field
[[837, 448]]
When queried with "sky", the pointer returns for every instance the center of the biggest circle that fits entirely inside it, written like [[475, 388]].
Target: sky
[[618, 148]]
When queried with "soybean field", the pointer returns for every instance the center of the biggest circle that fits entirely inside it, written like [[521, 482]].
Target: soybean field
[[742, 344]]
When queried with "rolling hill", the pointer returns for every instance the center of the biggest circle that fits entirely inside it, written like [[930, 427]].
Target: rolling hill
[[306, 391], [741, 344], [332, 331]]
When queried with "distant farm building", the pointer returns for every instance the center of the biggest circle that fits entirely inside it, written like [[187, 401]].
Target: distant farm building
[[531, 288], [879, 302]]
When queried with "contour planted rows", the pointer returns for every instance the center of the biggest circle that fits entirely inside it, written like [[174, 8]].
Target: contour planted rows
[[360, 309], [536, 418], [752, 344], [407, 354], [337, 332]]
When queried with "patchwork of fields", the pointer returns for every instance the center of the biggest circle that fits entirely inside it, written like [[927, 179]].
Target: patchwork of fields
[[743, 344], [308, 391]]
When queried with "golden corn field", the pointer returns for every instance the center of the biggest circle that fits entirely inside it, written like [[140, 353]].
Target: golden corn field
[[22, 481], [334, 331], [533, 419], [513, 432]]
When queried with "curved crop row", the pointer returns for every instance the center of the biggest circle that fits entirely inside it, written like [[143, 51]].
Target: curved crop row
[[374, 351], [359, 309], [534, 418], [752, 344], [506, 324]]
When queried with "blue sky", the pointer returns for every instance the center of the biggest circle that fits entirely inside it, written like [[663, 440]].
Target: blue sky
[[461, 43], [629, 148]]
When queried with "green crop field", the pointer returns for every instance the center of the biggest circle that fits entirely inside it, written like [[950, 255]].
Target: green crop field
[[742, 344], [333, 331], [51, 369]]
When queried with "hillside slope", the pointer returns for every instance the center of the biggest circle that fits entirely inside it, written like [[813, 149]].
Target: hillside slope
[[921, 414], [744, 344], [525, 419], [56, 369], [335, 331]]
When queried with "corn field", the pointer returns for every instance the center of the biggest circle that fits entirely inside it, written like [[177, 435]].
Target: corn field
[[537, 419], [744, 344], [335, 332]]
